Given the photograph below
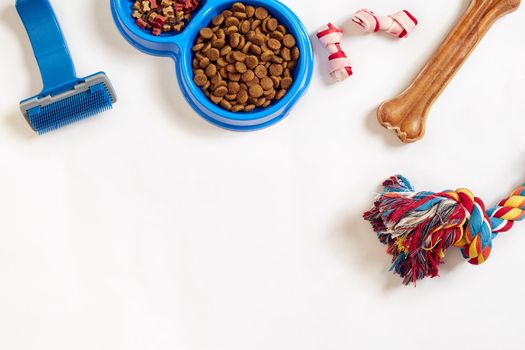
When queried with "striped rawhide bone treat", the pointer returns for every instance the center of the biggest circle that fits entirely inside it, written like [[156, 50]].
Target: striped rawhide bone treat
[[399, 25], [407, 113], [340, 67]]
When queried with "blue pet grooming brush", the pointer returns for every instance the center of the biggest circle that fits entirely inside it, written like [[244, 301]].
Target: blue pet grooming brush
[[65, 98]]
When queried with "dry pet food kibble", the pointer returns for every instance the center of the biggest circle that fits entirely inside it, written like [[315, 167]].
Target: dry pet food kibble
[[245, 59], [160, 16]]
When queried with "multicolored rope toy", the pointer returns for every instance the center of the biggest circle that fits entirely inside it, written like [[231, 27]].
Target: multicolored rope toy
[[340, 67], [399, 25], [418, 227]]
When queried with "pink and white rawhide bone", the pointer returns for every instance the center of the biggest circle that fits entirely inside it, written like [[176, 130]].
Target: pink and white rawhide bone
[[339, 64], [400, 24]]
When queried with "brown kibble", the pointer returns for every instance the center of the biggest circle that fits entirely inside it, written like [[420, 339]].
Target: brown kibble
[[232, 21], [255, 49], [296, 53], [266, 56], [276, 82], [221, 91], [272, 25], [260, 102], [258, 39], [239, 56], [230, 30], [277, 35], [238, 7], [286, 54], [247, 47], [255, 25], [276, 69], [215, 99], [249, 108], [254, 81], [218, 20], [213, 54], [245, 27], [231, 68], [274, 44], [197, 47], [256, 91], [234, 76], [220, 84], [206, 33], [260, 71], [211, 70], [220, 34], [268, 93], [242, 42], [200, 79], [229, 58], [226, 50], [237, 108], [252, 62], [280, 94], [204, 62], [248, 76], [261, 13], [226, 105], [240, 67], [206, 48], [250, 11], [289, 41], [235, 40], [242, 97], [215, 79], [233, 87], [239, 15], [222, 62], [277, 59], [286, 83], [219, 43], [266, 83]]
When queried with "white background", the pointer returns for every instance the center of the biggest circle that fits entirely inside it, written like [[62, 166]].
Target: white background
[[148, 228]]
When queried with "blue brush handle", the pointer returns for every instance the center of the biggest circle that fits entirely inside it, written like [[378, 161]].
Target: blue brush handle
[[49, 46]]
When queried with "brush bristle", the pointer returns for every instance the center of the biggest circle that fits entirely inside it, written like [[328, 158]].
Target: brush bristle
[[80, 106]]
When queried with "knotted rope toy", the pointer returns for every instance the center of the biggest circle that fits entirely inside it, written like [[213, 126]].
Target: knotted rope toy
[[340, 67], [419, 227], [399, 25]]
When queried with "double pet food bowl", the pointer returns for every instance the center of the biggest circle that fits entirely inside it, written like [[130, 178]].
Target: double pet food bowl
[[179, 45]]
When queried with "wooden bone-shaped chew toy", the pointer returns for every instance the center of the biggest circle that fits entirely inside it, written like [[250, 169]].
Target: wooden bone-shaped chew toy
[[407, 113]]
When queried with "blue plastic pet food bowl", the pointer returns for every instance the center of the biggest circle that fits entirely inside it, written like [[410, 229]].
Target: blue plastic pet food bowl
[[178, 46]]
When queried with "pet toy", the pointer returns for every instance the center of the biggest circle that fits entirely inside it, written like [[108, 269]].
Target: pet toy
[[399, 25], [340, 67], [419, 227], [407, 113], [65, 98]]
